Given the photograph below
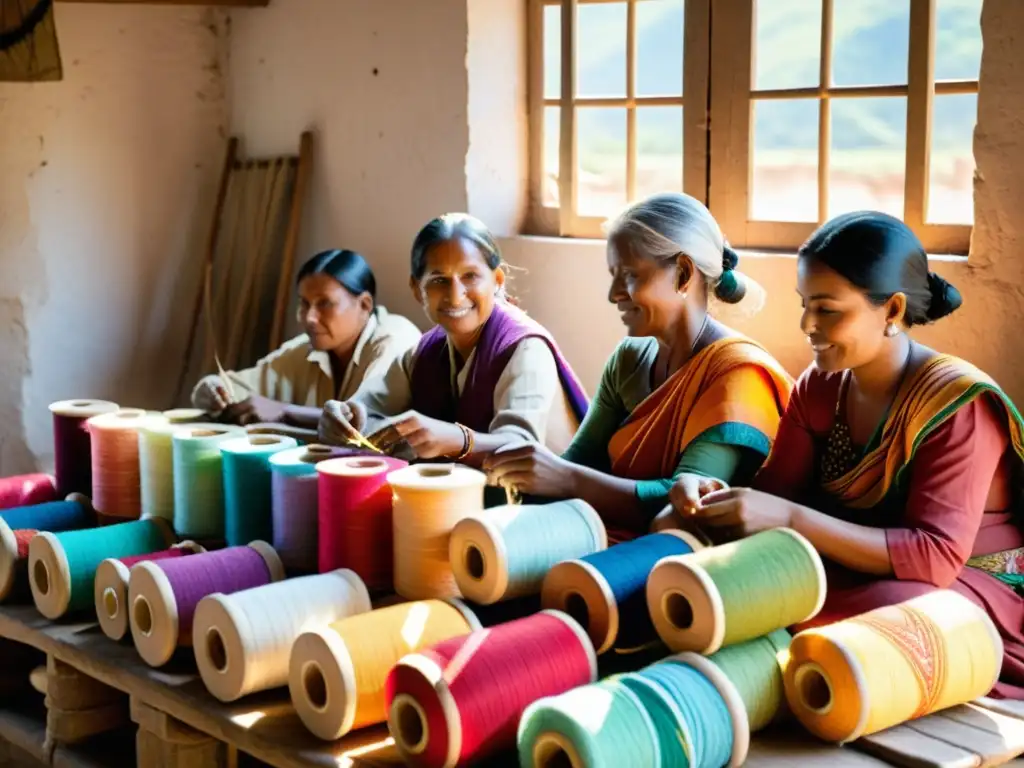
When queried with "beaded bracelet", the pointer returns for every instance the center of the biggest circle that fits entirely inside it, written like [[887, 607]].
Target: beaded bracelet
[[467, 444]]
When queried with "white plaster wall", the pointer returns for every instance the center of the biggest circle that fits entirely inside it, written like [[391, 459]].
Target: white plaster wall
[[105, 182], [383, 84]]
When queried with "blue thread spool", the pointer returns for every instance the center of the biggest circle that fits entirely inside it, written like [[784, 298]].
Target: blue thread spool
[[605, 591], [245, 462]]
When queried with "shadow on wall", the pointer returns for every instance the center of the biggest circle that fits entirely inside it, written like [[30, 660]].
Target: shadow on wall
[[15, 456]]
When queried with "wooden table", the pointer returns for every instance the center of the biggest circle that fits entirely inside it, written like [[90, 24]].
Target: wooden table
[[171, 704]]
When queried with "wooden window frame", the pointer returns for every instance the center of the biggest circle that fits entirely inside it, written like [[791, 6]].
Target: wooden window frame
[[564, 220], [719, 59]]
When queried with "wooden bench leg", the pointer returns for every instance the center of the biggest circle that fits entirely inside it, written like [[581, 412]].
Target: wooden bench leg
[[163, 742], [78, 706]]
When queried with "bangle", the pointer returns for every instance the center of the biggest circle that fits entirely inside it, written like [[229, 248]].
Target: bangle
[[467, 441]]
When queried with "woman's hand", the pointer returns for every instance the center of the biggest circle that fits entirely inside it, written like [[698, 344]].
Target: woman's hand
[[737, 512], [530, 468], [428, 438], [210, 394], [340, 421], [688, 490]]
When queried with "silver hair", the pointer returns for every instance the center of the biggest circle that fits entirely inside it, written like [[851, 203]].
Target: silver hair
[[669, 223]]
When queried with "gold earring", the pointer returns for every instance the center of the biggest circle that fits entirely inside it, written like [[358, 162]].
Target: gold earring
[[891, 330]]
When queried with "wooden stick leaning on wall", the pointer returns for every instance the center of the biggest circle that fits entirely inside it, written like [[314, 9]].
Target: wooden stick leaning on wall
[[211, 249], [292, 237]]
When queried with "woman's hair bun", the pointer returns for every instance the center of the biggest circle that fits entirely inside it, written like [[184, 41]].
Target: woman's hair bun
[[730, 259], [946, 299]]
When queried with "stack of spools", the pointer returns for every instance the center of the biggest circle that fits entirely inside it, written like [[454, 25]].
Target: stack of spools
[[731, 601]]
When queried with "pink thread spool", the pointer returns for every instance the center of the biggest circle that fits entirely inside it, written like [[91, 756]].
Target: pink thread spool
[[110, 588], [25, 490], [355, 517], [163, 594], [459, 701], [114, 451]]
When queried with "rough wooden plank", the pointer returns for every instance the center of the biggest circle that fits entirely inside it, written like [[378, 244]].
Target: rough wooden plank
[[1002, 706], [987, 744], [790, 746], [909, 748]]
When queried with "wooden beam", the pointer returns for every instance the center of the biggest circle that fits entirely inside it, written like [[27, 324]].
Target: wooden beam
[[223, 3]]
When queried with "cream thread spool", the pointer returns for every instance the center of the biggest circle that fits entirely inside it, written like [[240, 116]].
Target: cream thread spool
[[336, 688], [243, 641], [184, 415], [485, 569], [429, 500], [154, 618], [156, 468], [688, 608], [110, 593], [582, 591]]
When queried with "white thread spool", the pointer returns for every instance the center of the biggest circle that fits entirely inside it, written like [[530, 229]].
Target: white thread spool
[[243, 641], [110, 592], [153, 607], [506, 552], [429, 500], [198, 481]]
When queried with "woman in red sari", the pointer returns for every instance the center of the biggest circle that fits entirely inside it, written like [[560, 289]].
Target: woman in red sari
[[897, 462]]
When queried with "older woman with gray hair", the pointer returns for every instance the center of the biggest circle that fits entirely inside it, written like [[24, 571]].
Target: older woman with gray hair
[[683, 398]]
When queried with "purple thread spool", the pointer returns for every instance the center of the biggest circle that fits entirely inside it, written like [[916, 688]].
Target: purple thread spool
[[72, 445], [163, 594], [294, 503]]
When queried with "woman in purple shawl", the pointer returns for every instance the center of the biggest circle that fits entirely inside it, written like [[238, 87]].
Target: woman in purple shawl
[[485, 376]]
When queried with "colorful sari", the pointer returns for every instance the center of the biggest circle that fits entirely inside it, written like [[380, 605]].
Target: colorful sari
[[924, 402], [700, 401]]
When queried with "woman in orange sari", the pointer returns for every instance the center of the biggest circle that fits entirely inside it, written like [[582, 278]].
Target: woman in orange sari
[[897, 462], [684, 397]]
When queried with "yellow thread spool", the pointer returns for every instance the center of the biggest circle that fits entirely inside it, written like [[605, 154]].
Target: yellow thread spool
[[428, 501], [735, 592], [863, 675], [336, 675]]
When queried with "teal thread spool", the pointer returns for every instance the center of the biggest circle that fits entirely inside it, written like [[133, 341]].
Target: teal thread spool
[[245, 463], [199, 479], [505, 552], [62, 566], [73, 513], [735, 592], [753, 669], [604, 725], [695, 726]]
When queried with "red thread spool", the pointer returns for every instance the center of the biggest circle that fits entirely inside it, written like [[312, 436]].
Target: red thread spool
[[460, 701], [25, 490], [354, 514]]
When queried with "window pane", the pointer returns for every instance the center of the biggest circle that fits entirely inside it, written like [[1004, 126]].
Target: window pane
[[870, 41], [601, 154], [601, 49], [552, 51], [659, 49], [951, 179], [784, 184], [958, 40], [787, 48], [659, 150], [868, 155], [552, 143]]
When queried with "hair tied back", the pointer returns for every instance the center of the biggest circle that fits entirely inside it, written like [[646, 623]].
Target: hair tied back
[[731, 286], [945, 297]]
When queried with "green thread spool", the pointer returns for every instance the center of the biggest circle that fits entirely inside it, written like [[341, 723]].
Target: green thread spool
[[62, 566], [505, 552], [603, 725], [247, 499], [735, 592], [199, 480]]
